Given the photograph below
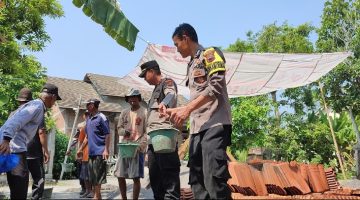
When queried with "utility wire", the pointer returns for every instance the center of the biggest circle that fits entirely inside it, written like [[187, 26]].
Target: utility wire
[[141, 38]]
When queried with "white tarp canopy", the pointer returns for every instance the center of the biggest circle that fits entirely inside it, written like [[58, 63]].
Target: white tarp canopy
[[248, 74]]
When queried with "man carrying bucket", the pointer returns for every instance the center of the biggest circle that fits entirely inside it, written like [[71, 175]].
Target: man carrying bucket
[[163, 159], [132, 128]]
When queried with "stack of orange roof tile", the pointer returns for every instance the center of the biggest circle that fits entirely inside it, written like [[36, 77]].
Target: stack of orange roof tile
[[296, 185], [272, 181], [242, 178], [317, 178], [356, 192], [331, 179], [283, 180], [186, 194], [259, 182]]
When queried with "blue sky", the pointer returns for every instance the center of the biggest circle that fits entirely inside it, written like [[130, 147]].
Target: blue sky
[[80, 46]]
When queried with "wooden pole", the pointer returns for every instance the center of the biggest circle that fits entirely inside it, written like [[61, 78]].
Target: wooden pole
[[276, 108], [332, 131], [71, 137]]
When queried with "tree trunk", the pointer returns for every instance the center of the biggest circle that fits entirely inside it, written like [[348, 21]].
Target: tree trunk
[[276, 108], [357, 146], [332, 131], [355, 126]]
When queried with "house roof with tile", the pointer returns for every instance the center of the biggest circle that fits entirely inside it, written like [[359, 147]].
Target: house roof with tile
[[70, 91], [107, 85], [115, 86], [97, 86]]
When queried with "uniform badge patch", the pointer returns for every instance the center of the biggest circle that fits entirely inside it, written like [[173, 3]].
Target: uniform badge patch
[[138, 121], [199, 76], [213, 61], [169, 82], [209, 55], [198, 73], [197, 61]]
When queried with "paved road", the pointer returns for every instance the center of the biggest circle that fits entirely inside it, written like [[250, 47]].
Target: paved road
[[69, 189]]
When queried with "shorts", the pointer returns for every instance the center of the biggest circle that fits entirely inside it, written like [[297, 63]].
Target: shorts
[[84, 173], [97, 170], [130, 168]]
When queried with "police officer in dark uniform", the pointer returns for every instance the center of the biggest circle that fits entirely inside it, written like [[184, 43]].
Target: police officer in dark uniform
[[164, 168], [210, 115]]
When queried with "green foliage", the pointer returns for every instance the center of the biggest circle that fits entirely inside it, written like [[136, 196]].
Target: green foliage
[[284, 39], [3, 100], [301, 140], [243, 46], [302, 99], [340, 31], [304, 135], [250, 118], [22, 29], [186, 157], [343, 87], [61, 142], [241, 156], [10, 86], [49, 121]]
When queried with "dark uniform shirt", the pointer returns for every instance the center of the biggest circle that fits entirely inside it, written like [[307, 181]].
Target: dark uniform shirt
[[34, 147], [154, 122], [206, 77]]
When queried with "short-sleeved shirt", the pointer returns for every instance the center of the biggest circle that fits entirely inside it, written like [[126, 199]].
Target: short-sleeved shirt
[[206, 77], [154, 121], [97, 127], [82, 135], [135, 122]]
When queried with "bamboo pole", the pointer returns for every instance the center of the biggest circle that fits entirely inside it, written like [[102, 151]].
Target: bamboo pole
[[184, 149], [71, 137], [332, 130]]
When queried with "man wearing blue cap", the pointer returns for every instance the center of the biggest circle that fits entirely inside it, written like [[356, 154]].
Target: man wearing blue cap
[[16, 133]]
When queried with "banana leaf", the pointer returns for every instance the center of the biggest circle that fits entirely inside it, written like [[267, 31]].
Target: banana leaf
[[78, 3], [106, 13]]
